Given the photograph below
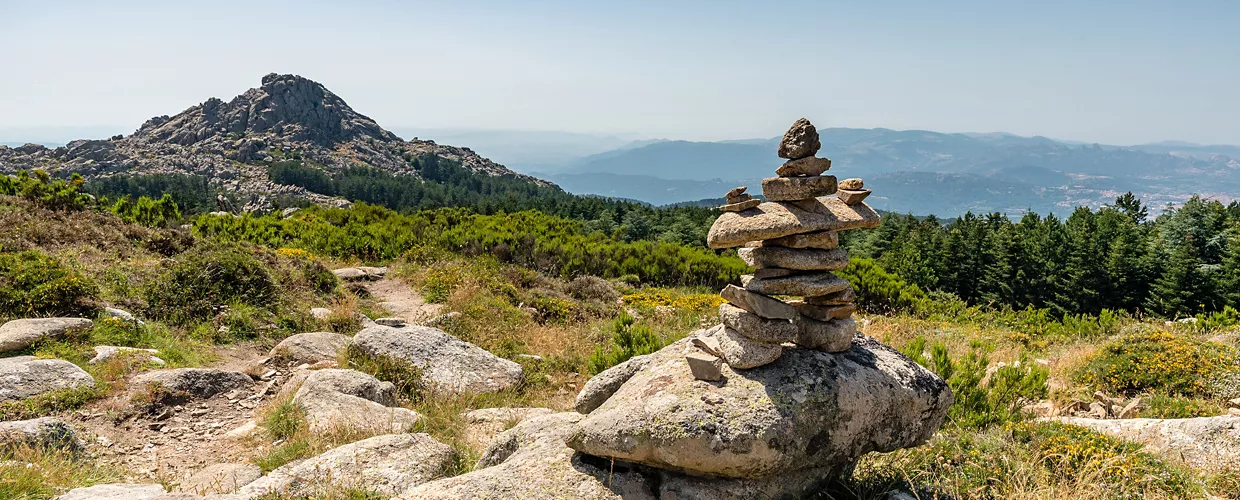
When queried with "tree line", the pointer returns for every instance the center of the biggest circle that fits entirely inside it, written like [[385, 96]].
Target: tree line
[[1183, 262]]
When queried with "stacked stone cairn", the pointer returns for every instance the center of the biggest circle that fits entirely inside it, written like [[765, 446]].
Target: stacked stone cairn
[[792, 241]]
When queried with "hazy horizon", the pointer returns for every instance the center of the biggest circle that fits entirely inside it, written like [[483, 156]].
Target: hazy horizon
[[701, 71]]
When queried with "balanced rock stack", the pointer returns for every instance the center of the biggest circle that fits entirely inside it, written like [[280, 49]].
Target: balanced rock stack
[[792, 240]]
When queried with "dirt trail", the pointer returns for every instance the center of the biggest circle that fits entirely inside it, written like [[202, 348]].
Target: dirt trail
[[403, 301]]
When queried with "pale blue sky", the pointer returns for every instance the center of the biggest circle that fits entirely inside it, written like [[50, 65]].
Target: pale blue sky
[[1118, 72]]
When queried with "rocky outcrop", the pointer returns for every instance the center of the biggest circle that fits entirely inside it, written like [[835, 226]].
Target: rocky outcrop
[[531, 461], [104, 353], [1206, 443], [336, 399], [22, 333], [23, 377], [387, 464], [444, 362], [232, 142], [310, 348], [220, 478], [808, 413], [114, 492], [602, 386]]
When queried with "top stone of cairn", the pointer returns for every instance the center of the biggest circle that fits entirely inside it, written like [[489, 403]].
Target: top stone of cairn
[[800, 141]]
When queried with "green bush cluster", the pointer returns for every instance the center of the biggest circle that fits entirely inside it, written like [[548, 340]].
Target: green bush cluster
[[981, 401], [627, 340], [147, 212], [198, 282], [34, 284], [1159, 361], [41, 188]]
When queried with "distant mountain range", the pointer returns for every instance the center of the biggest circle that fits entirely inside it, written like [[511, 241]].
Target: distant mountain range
[[922, 172]]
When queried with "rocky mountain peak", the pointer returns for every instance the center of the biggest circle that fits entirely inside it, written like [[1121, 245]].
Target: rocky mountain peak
[[287, 107]]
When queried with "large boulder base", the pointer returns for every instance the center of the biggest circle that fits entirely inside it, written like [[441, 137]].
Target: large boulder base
[[809, 410], [602, 386], [337, 399], [387, 464], [22, 333], [23, 377], [190, 382], [220, 478], [445, 362], [44, 432], [778, 219], [114, 492]]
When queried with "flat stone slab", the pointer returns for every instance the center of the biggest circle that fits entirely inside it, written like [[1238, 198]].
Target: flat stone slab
[[824, 313], [756, 303], [22, 333], [825, 240], [772, 220], [797, 259], [836, 335], [804, 166], [853, 197], [842, 297], [800, 285], [24, 377], [741, 205], [797, 188]]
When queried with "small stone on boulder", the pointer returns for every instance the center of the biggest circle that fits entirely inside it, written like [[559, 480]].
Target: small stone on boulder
[[740, 206], [394, 322], [704, 366], [852, 184], [800, 141], [853, 197]]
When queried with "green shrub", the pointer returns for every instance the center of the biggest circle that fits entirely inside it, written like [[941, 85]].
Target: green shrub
[[146, 211], [196, 285], [33, 284], [284, 419], [1163, 406], [439, 282], [1158, 361], [981, 402], [406, 378], [627, 340], [878, 290], [53, 194]]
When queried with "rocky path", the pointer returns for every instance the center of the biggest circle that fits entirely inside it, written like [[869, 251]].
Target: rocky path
[[402, 301]]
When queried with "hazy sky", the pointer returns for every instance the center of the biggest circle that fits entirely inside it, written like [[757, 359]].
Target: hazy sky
[[1118, 72]]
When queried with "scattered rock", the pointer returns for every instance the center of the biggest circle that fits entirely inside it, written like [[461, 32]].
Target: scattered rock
[[808, 411], [602, 386], [852, 197], [445, 362], [396, 322], [22, 333], [737, 194], [825, 240], [800, 285], [220, 478], [797, 259], [531, 461], [114, 492], [106, 352], [387, 464], [797, 188], [808, 166], [741, 352], [800, 141], [758, 304], [772, 220], [320, 312], [45, 432], [121, 314], [336, 399], [177, 385], [351, 274], [311, 347], [23, 377]]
